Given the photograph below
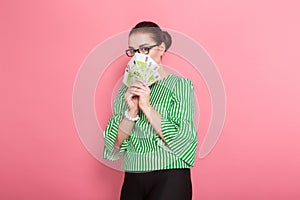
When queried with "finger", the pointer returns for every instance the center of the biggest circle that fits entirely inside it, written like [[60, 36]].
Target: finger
[[137, 84], [132, 90], [142, 82], [140, 92], [143, 87], [128, 97], [139, 89]]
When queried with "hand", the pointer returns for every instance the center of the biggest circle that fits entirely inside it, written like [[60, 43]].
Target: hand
[[132, 101], [140, 89]]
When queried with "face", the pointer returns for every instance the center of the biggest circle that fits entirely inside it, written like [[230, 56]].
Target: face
[[139, 40]]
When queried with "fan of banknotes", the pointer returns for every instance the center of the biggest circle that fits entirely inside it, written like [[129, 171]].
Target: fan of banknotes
[[141, 67]]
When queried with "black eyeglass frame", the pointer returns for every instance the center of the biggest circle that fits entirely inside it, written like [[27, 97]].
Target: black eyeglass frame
[[147, 49]]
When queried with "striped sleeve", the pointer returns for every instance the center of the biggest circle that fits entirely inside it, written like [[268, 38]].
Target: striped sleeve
[[178, 125], [110, 152]]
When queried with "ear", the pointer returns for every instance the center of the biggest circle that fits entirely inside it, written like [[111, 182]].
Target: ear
[[162, 48]]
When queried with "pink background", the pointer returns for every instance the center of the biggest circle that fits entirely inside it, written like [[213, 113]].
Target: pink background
[[254, 44]]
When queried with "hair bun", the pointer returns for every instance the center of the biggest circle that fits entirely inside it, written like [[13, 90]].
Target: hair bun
[[167, 39], [158, 35]]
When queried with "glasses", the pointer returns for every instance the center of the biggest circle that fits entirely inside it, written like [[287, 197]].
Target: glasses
[[144, 50]]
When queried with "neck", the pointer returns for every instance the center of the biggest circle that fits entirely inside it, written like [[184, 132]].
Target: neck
[[162, 71]]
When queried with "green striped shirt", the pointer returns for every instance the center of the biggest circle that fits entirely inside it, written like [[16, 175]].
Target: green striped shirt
[[144, 150]]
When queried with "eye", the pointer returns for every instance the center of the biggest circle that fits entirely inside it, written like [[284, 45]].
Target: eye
[[131, 50], [145, 49]]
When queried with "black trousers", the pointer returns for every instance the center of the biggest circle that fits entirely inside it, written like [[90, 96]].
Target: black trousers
[[170, 184]]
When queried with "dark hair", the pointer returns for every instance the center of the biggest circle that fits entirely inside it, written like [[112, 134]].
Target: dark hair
[[158, 35]]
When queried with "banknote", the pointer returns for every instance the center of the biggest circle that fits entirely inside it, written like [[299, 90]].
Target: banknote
[[141, 67]]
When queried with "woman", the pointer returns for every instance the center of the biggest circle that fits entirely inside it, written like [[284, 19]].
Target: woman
[[153, 127]]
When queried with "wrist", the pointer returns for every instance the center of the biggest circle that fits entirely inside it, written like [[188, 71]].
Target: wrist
[[147, 110], [131, 116], [132, 112]]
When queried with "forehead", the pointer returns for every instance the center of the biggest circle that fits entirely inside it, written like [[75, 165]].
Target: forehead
[[137, 39]]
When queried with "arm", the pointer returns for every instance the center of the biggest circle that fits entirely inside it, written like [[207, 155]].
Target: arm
[[116, 134], [177, 126], [154, 119], [124, 130]]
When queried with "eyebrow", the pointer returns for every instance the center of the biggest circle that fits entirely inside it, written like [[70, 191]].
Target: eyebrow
[[139, 46]]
